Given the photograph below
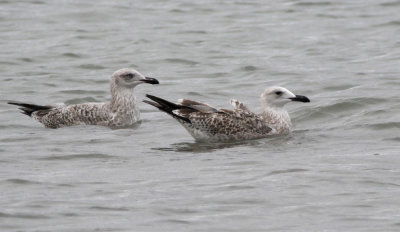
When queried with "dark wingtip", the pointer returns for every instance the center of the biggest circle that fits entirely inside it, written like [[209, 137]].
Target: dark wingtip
[[166, 106], [13, 103], [28, 109]]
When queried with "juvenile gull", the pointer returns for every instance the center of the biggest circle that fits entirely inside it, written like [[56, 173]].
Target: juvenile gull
[[205, 123], [121, 111]]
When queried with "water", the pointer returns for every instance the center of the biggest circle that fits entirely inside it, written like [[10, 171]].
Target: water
[[337, 171]]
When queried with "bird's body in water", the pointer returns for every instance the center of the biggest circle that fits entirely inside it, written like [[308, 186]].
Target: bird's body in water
[[206, 123], [122, 111]]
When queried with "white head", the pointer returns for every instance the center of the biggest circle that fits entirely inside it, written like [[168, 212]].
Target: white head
[[129, 78], [278, 96]]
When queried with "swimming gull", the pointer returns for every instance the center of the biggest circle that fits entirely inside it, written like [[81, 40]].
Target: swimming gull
[[205, 123], [121, 111]]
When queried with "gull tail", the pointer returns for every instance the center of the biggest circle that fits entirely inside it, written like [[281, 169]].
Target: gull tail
[[28, 109], [169, 107]]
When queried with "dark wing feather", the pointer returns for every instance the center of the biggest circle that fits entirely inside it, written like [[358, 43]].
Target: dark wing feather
[[28, 109], [170, 108], [198, 105]]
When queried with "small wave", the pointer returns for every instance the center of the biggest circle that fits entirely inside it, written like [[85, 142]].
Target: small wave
[[350, 104], [91, 66], [85, 92], [338, 87], [379, 183], [181, 61], [278, 172], [340, 106], [395, 139], [20, 139], [103, 208], [313, 4], [79, 156], [329, 16], [26, 59], [390, 23], [385, 125], [193, 32], [249, 68], [23, 216], [71, 55], [390, 4], [22, 181], [191, 93]]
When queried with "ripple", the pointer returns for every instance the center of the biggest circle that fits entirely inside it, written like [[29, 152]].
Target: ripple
[[20, 139], [339, 107], [22, 181], [70, 214], [350, 104], [249, 68], [339, 87], [379, 183], [71, 55], [181, 61], [200, 147], [103, 208], [91, 66], [390, 4], [291, 170], [191, 93], [395, 139], [80, 156], [390, 23], [8, 63], [23, 216], [193, 32], [26, 59], [330, 16], [178, 221], [312, 4], [384, 126], [239, 187], [78, 91]]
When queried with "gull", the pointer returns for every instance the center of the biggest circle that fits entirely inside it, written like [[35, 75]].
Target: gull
[[122, 111], [206, 123]]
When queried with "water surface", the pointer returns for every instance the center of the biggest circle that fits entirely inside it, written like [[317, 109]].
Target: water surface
[[337, 171]]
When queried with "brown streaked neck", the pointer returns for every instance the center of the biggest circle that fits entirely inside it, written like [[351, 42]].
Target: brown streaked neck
[[121, 96]]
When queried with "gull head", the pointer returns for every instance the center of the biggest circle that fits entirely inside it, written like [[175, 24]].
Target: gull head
[[129, 78], [278, 96]]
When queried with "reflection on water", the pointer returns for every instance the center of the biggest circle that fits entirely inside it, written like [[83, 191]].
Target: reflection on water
[[200, 147]]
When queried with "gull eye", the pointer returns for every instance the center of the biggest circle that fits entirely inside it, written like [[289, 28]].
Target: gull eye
[[279, 93], [130, 76]]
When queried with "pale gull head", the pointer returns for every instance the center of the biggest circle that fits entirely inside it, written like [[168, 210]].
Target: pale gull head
[[277, 97], [129, 78]]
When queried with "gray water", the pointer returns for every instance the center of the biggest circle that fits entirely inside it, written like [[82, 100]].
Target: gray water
[[338, 171]]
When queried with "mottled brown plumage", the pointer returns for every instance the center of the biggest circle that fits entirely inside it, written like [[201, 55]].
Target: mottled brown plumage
[[121, 111], [206, 123]]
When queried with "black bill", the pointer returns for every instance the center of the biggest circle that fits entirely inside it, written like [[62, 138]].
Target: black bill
[[300, 98], [150, 80]]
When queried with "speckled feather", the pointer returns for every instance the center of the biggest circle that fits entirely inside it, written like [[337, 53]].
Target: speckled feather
[[206, 123], [121, 111], [225, 125]]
